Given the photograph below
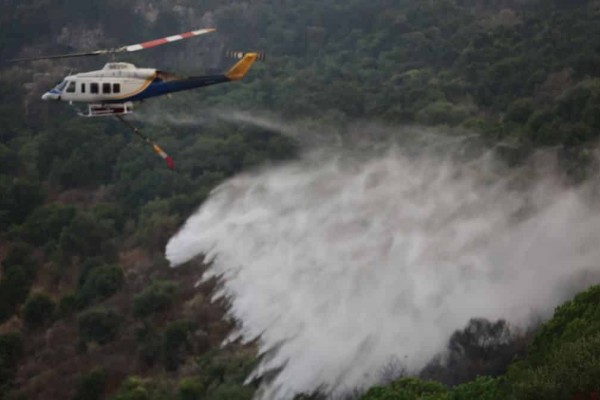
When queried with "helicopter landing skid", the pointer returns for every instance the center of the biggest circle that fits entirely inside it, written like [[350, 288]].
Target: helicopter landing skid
[[107, 110]]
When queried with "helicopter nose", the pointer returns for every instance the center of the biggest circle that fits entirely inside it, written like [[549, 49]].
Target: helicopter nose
[[50, 96]]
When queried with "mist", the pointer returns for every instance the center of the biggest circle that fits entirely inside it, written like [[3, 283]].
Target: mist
[[354, 254]]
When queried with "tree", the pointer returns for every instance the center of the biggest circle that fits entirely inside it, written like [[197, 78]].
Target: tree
[[156, 298], [99, 325], [87, 236], [18, 198], [101, 283], [175, 343], [407, 389], [191, 389], [482, 348], [11, 351], [92, 385], [38, 311], [19, 269], [47, 222]]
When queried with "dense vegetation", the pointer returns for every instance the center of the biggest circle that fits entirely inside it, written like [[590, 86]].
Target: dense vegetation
[[562, 362], [85, 210]]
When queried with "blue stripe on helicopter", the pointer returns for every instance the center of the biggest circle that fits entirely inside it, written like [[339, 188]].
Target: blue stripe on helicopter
[[159, 87]]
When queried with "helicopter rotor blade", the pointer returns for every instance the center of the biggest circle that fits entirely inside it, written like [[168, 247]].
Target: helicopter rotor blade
[[161, 41], [124, 49], [59, 56]]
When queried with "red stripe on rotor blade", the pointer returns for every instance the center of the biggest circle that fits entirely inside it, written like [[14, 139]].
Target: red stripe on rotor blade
[[187, 35], [153, 43]]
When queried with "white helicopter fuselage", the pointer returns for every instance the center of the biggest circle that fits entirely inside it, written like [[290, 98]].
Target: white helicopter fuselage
[[116, 82]]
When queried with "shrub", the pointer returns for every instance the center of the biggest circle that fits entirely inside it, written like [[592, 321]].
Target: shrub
[[191, 389], [14, 288], [11, 350], [231, 391], [38, 311], [407, 388], [175, 340], [100, 284], [87, 236], [20, 254], [148, 344], [483, 388], [135, 388], [19, 198], [156, 298], [520, 111], [441, 112], [571, 370], [99, 325], [91, 386], [67, 305], [47, 223]]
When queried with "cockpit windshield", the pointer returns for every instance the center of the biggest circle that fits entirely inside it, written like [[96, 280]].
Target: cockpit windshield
[[61, 86]]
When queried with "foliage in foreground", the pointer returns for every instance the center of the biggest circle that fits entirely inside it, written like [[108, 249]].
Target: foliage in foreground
[[563, 362]]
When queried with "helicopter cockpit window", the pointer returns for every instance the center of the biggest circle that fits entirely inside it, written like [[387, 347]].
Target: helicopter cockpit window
[[61, 86], [106, 88], [71, 87], [116, 88]]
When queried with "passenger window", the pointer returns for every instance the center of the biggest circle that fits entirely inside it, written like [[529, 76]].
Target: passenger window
[[94, 88], [83, 88], [106, 88], [71, 87], [116, 88]]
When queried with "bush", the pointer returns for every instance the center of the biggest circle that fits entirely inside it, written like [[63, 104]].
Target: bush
[[135, 388], [231, 392], [520, 111], [38, 311], [87, 236], [11, 351], [110, 214], [572, 321], [14, 288], [156, 298], [99, 325], [564, 359], [483, 388], [175, 341], [483, 348], [571, 370], [441, 112], [67, 305], [20, 254], [407, 388], [47, 222], [148, 344], [18, 198], [191, 389], [100, 283], [91, 386]]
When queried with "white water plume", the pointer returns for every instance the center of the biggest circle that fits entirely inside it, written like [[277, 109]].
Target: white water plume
[[338, 261]]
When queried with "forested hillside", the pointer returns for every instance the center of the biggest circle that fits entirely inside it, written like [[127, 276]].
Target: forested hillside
[[88, 306]]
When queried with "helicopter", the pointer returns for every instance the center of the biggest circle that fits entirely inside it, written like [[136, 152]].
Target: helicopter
[[113, 90]]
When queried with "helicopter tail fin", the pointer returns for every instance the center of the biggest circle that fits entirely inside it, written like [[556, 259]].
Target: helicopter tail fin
[[239, 70]]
